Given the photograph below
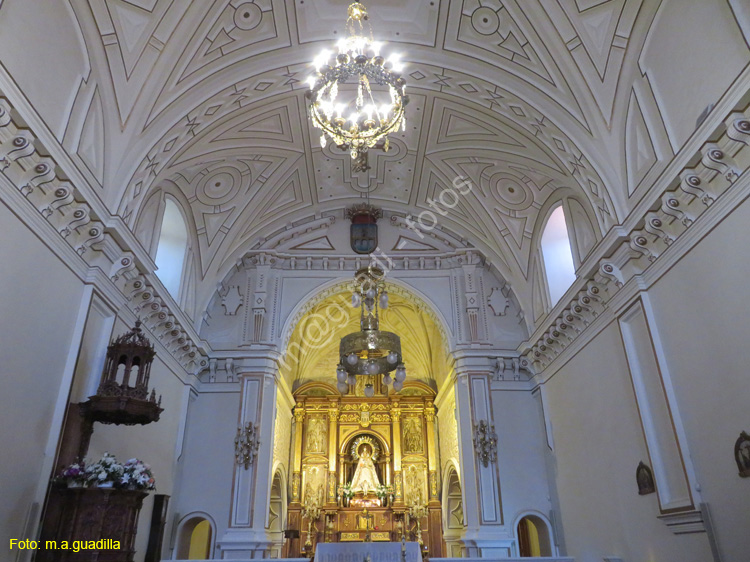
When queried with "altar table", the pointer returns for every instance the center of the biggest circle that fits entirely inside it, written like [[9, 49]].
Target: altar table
[[357, 551]]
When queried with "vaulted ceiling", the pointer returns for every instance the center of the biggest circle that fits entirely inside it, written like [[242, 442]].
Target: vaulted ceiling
[[523, 97]]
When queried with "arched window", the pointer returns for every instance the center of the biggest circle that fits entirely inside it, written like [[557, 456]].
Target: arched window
[[170, 253], [557, 255]]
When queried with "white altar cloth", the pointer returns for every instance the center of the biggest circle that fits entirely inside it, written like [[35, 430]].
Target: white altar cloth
[[356, 552]]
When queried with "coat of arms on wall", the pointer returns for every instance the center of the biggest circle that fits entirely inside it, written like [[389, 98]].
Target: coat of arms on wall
[[364, 229]]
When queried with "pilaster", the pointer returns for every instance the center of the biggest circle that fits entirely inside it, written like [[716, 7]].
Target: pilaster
[[246, 535], [486, 535]]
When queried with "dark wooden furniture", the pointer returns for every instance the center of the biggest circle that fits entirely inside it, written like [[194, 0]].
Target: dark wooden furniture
[[156, 529], [91, 514], [83, 514]]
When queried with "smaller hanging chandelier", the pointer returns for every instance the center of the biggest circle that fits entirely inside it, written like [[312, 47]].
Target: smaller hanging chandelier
[[374, 108], [370, 351]]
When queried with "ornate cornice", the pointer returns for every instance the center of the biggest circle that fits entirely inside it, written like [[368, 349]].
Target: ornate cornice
[[64, 208], [634, 253]]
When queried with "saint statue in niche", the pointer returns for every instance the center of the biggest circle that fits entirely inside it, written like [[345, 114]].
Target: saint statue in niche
[[645, 479], [365, 476], [742, 454], [414, 486], [413, 435], [316, 435]]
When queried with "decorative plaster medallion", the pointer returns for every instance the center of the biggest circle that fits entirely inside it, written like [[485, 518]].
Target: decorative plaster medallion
[[219, 187]]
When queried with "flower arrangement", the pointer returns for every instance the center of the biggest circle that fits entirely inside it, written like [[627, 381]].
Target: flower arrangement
[[74, 475], [346, 491], [109, 473], [384, 493], [104, 473], [137, 475]]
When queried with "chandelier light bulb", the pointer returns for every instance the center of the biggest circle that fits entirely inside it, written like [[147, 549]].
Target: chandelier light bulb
[[352, 359], [369, 391], [397, 386], [395, 62], [392, 358], [400, 373], [387, 379], [371, 293], [384, 299], [372, 368], [321, 59], [356, 300], [343, 387], [341, 375]]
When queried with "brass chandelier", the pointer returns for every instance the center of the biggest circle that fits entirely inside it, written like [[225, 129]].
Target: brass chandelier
[[375, 108], [370, 351]]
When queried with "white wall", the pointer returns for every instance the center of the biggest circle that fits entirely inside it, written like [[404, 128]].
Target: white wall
[[520, 457], [38, 313], [701, 313], [598, 444], [207, 463], [700, 318]]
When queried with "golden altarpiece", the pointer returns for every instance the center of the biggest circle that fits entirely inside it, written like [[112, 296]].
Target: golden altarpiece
[[339, 441]]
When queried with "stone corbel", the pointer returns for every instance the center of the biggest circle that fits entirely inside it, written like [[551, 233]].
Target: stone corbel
[[507, 367]]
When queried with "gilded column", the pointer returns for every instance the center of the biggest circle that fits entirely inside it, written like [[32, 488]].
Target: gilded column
[[299, 418], [432, 460], [434, 514], [397, 480], [333, 420], [341, 472]]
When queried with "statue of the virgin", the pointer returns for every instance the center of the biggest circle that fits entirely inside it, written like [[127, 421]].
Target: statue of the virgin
[[365, 476]]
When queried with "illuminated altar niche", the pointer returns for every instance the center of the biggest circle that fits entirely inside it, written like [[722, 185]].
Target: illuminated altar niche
[[326, 424], [312, 350]]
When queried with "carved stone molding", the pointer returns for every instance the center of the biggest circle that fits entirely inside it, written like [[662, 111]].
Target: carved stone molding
[[692, 192], [38, 179]]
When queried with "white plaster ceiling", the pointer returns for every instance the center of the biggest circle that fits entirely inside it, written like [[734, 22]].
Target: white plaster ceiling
[[523, 97]]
